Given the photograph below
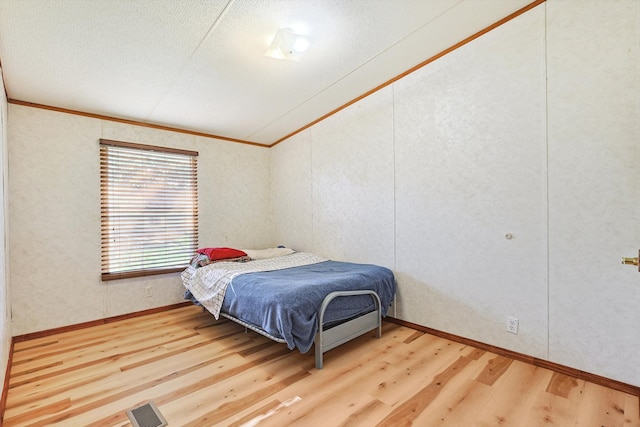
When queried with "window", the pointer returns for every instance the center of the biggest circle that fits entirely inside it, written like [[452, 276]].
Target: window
[[149, 209]]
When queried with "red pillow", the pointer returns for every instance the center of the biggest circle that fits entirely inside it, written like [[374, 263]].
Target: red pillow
[[221, 253]]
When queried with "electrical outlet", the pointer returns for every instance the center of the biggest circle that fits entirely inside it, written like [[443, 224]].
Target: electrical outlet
[[512, 325], [148, 291]]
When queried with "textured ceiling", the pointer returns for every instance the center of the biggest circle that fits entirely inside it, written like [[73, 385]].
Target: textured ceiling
[[199, 65]]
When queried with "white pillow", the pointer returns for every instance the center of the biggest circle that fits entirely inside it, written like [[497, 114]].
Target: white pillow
[[267, 253]]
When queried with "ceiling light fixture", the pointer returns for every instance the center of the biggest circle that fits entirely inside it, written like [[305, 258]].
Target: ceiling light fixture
[[288, 45]]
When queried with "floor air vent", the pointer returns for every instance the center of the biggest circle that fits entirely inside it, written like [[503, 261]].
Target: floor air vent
[[146, 415]]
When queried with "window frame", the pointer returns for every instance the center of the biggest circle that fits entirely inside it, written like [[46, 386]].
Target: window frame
[[105, 206]]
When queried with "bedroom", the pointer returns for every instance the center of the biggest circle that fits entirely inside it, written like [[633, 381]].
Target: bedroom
[[553, 95]]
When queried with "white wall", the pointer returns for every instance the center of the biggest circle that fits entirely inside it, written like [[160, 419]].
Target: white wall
[[470, 156], [348, 201], [430, 174], [55, 215], [5, 297], [331, 185], [594, 185]]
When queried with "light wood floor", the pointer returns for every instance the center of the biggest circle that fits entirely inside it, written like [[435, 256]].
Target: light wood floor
[[203, 373]]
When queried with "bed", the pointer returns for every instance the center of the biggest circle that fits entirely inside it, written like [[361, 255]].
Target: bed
[[297, 298]]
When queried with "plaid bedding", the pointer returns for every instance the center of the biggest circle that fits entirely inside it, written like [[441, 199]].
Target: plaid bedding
[[208, 283]]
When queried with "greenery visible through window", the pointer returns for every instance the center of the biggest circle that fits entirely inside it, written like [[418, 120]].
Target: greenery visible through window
[[149, 209]]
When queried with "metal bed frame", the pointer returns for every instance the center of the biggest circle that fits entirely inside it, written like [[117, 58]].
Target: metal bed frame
[[332, 336]]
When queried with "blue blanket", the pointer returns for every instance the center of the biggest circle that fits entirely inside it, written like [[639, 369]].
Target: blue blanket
[[284, 303]]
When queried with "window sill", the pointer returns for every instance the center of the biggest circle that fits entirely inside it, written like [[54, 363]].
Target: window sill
[[106, 277]]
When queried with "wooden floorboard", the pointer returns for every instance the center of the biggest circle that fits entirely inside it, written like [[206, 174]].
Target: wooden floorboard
[[200, 372]]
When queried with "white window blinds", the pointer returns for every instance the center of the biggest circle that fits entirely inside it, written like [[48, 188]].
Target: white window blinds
[[149, 209]]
